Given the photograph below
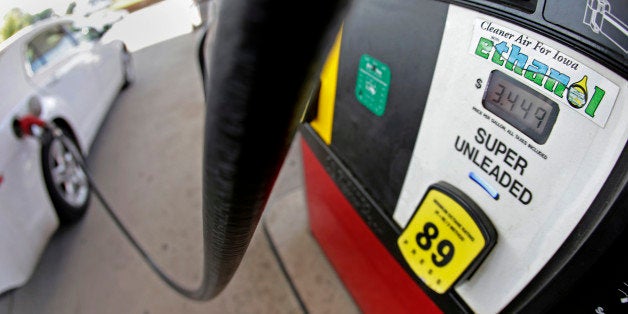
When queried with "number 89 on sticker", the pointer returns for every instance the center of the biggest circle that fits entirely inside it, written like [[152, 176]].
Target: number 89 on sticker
[[447, 233], [445, 249]]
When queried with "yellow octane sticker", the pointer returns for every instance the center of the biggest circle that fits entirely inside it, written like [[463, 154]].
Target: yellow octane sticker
[[440, 241]]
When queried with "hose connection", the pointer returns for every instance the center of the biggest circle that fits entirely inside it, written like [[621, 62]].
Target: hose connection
[[30, 125]]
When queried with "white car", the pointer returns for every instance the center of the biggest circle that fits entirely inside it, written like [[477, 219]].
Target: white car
[[47, 70]]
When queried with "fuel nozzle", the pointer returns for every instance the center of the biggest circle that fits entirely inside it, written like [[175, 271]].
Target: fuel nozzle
[[30, 125], [27, 122]]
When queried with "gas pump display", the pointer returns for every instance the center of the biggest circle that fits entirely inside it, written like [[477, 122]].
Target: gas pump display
[[525, 109], [496, 175]]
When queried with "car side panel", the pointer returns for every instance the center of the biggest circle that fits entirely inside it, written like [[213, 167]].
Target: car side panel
[[75, 82], [27, 219], [110, 74], [84, 93]]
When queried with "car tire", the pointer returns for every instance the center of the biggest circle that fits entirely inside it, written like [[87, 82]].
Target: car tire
[[67, 183], [127, 68]]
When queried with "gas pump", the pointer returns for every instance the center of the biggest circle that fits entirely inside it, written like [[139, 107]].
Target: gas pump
[[470, 156]]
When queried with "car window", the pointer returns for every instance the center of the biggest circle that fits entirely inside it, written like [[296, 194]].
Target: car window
[[49, 47]]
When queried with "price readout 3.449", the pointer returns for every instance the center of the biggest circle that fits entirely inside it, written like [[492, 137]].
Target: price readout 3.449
[[442, 240], [521, 106]]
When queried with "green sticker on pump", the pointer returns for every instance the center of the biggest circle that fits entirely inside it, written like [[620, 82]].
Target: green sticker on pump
[[372, 84]]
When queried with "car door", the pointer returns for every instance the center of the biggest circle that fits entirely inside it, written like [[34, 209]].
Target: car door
[[62, 68], [109, 67], [26, 217]]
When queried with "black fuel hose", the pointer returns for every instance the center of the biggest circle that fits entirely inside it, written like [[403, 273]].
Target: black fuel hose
[[256, 78], [259, 77]]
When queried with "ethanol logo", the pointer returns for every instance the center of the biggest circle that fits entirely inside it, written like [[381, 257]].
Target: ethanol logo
[[542, 73], [556, 72]]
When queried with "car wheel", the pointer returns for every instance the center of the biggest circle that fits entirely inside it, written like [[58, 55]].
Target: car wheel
[[127, 64], [67, 183]]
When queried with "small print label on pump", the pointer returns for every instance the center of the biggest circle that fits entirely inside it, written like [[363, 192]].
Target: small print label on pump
[[447, 238]]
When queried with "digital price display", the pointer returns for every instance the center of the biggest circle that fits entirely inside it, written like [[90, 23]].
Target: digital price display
[[521, 106]]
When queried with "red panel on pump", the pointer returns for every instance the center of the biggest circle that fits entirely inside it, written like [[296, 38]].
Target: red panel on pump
[[375, 280]]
